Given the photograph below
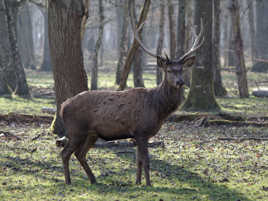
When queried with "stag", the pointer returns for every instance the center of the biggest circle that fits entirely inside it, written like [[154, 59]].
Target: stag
[[135, 113]]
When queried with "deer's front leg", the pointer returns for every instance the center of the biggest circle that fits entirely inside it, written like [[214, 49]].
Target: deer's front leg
[[143, 161]]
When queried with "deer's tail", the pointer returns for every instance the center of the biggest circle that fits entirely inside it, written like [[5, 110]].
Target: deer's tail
[[61, 142]]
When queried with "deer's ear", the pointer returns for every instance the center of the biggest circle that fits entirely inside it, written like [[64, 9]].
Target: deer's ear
[[189, 61]]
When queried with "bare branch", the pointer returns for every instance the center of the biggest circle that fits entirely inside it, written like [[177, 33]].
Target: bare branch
[[137, 30]]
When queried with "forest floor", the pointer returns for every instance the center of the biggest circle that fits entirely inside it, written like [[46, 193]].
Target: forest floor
[[195, 156]]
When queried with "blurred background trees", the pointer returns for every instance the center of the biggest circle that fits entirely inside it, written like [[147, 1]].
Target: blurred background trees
[[237, 42]]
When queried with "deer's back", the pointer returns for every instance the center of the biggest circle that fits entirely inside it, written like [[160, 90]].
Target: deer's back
[[112, 114]]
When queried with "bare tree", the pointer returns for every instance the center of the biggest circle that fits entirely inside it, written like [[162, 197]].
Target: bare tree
[[218, 86], [64, 31], [172, 30], [12, 75], [252, 32], [123, 41], [230, 50], [46, 62], [138, 62], [201, 96], [180, 40], [241, 72], [134, 47], [262, 30], [94, 71], [160, 42], [25, 36], [181, 28]]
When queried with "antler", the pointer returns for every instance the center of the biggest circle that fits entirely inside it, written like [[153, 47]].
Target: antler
[[198, 42], [136, 31]]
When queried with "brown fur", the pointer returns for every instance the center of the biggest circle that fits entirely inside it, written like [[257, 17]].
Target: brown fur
[[136, 113]]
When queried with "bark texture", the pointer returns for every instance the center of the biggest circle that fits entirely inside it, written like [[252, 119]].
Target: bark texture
[[138, 62], [25, 37], [241, 71], [218, 86], [262, 29], [94, 71], [172, 30], [252, 32], [12, 75], [134, 47], [64, 31], [46, 63], [201, 96], [123, 41], [160, 43]]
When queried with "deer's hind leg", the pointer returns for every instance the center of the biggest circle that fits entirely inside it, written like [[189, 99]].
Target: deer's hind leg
[[81, 153], [66, 153]]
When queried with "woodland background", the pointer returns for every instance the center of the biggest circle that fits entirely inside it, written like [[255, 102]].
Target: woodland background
[[213, 148]]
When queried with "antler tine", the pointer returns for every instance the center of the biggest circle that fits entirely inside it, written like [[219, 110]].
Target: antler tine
[[136, 31], [197, 44]]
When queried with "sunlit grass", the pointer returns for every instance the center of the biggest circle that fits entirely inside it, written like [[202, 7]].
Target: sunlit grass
[[232, 103], [17, 104], [186, 169], [191, 166]]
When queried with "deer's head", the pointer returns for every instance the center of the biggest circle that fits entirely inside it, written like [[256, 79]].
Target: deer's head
[[173, 69]]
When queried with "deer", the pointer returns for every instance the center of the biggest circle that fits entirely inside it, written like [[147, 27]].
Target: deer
[[136, 113]]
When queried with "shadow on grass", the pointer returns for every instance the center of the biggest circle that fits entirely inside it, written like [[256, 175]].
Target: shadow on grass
[[30, 167], [174, 175], [212, 190]]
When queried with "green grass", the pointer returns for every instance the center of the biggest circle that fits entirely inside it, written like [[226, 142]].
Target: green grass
[[24, 106], [232, 103], [185, 169], [193, 165]]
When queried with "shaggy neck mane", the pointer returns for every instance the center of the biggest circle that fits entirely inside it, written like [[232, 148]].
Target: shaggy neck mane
[[165, 99]]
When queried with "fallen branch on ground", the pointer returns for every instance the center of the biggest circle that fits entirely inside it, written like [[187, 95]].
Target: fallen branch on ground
[[242, 139], [126, 144], [235, 123], [25, 118]]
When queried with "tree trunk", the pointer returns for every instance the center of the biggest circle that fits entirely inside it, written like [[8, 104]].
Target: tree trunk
[[123, 43], [225, 40], [181, 29], [172, 30], [252, 32], [121, 16], [219, 90], [64, 31], [201, 96], [138, 62], [25, 37], [241, 71], [12, 76], [181, 40], [46, 63], [94, 71], [231, 56], [134, 47], [160, 43], [262, 29]]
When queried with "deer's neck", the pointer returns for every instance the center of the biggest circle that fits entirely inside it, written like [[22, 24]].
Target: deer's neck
[[166, 99]]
